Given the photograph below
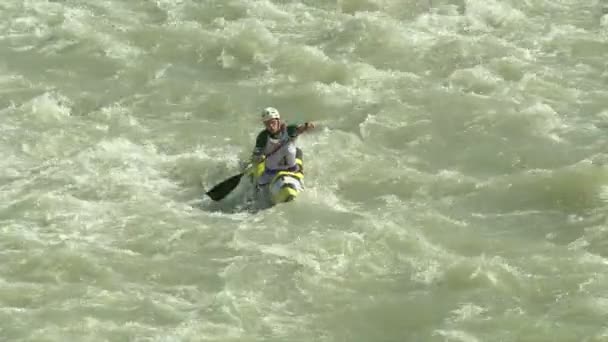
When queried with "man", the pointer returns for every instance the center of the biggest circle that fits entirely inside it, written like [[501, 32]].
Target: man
[[276, 145]]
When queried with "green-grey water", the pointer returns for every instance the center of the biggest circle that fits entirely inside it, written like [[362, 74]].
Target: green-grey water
[[456, 185]]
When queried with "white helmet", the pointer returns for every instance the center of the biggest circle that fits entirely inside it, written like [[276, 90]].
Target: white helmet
[[270, 113]]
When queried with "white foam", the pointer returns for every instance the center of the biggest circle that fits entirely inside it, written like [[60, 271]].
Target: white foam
[[467, 311], [544, 119], [493, 13], [51, 106], [84, 24], [456, 335]]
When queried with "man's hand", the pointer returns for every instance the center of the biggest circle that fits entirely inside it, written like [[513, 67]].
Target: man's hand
[[305, 127]]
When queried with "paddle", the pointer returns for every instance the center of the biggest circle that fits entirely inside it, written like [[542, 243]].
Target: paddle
[[222, 190]]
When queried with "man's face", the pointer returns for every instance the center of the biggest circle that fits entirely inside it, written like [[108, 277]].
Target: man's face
[[272, 125]]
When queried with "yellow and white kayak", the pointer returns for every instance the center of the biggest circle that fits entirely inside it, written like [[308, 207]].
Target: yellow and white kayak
[[284, 186]]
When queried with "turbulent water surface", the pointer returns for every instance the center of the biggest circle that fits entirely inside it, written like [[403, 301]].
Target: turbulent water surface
[[456, 184]]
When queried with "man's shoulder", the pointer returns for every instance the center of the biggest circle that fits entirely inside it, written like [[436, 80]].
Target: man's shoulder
[[292, 130], [261, 139], [262, 134]]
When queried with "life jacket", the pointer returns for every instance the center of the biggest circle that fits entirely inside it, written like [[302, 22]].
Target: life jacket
[[280, 150]]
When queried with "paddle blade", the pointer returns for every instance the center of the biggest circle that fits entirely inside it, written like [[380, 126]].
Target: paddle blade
[[224, 188]]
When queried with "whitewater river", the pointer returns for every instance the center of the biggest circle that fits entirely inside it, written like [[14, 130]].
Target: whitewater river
[[456, 184]]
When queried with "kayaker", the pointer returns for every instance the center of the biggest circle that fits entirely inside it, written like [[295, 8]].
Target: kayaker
[[277, 142]]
